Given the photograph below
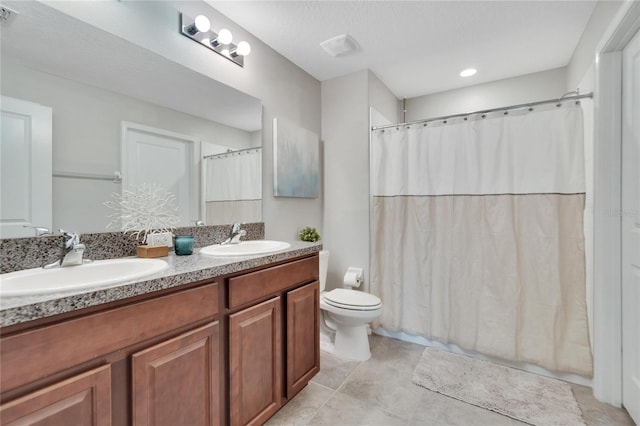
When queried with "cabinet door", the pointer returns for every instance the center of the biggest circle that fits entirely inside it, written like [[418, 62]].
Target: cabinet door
[[303, 337], [177, 382], [81, 400], [255, 363]]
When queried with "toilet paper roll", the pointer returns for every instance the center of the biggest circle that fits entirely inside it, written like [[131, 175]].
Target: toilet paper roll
[[353, 277]]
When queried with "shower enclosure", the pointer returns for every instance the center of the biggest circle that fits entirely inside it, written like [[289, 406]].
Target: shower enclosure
[[477, 232]]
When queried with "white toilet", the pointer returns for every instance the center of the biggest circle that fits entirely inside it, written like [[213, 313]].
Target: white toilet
[[349, 312]]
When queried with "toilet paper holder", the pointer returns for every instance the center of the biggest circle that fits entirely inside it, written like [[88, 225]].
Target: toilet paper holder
[[353, 277]]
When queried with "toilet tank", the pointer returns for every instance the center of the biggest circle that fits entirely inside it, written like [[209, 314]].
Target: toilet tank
[[324, 265]]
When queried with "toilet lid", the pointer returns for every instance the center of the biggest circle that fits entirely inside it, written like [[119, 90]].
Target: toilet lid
[[352, 299]]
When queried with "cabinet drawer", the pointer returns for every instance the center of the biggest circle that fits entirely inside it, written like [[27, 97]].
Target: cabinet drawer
[[256, 285], [35, 354]]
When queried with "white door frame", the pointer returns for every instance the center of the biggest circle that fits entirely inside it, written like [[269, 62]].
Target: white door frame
[[196, 207], [607, 294]]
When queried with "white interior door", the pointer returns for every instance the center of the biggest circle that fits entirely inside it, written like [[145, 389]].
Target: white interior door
[[25, 157], [631, 228], [169, 159]]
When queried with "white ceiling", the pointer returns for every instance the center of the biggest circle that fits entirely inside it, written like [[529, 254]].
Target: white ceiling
[[419, 47]]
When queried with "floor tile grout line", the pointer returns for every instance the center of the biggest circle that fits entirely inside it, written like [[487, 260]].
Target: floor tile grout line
[[324, 403], [324, 386], [346, 379], [335, 391], [378, 406]]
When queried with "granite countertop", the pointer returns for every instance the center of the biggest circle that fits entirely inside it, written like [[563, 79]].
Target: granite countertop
[[181, 270]]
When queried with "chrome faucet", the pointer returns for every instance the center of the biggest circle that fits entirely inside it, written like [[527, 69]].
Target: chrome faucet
[[40, 230], [235, 234], [72, 251]]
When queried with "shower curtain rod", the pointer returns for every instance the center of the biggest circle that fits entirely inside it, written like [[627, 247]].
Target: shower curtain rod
[[222, 154], [486, 111]]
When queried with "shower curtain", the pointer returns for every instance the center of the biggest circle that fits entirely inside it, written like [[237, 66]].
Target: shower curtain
[[477, 234], [233, 184]]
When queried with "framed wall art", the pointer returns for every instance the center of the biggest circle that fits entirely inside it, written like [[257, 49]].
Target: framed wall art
[[296, 161]]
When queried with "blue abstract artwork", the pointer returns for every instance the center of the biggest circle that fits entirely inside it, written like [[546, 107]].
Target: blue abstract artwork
[[296, 161]]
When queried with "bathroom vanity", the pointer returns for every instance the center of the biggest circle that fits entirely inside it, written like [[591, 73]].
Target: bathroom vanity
[[231, 347]]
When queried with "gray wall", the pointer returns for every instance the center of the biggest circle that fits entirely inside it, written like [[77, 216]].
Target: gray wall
[[285, 90], [511, 91], [346, 102]]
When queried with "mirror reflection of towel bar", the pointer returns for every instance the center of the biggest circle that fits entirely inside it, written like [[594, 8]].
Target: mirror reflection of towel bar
[[115, 178]]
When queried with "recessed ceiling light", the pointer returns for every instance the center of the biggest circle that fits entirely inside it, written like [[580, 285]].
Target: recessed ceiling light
[[468, 72]]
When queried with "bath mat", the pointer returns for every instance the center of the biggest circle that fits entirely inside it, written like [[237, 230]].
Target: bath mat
[[527, 397]]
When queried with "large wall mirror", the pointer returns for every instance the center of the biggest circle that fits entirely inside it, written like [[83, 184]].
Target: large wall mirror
[[120, 116]]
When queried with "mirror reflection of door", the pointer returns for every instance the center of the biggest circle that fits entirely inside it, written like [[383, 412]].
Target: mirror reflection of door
[[156, 156], [25, 167]]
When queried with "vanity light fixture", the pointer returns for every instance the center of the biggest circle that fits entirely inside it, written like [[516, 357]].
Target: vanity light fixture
[[468, 72], [200, 25], [243, 49], [199, 30], [224, 37]]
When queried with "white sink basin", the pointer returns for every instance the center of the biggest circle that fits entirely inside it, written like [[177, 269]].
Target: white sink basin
[[41, 281], [245, 248]]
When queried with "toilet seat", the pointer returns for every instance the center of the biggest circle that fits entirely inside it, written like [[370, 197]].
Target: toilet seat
[[352, 300]]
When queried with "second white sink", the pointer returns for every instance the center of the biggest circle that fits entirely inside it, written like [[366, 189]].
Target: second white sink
[[245, 248], [41, 281]]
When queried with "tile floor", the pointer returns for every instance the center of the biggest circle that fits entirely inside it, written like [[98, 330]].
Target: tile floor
[[379, 392]]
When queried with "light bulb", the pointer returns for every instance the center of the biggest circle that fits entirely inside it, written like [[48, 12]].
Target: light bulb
[[243, 49], [468, 72], [202, 23], [224, 36]]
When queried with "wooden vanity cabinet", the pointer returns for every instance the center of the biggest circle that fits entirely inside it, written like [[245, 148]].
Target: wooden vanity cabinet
[[152, 362], [274, 343], [203, 354]]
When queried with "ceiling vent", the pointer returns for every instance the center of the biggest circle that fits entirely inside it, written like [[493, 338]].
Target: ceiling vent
[[6, 15], [340, 45]]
